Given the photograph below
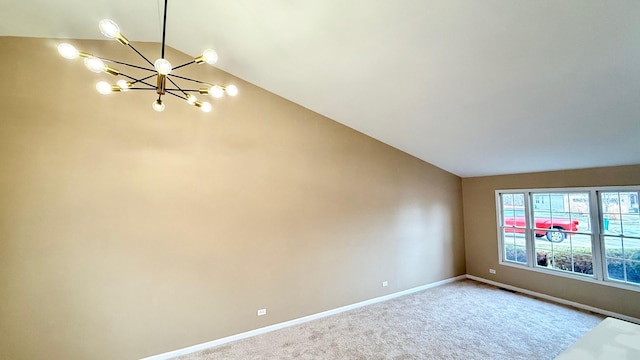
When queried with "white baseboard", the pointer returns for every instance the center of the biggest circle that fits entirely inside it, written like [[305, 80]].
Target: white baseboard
[[555, 299], [244, 335]]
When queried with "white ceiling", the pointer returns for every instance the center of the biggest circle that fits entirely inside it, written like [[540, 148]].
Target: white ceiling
[[476, 87]]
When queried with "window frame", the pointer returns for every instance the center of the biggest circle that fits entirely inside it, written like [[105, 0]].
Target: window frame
[[596, 216]]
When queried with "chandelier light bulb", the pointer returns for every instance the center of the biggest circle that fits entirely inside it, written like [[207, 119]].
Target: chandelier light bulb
[[123, 84], [216, 91], [191, 99], [210, 56], [68, 51], [163, 66], [103, 88], [231, 90], [206, 107], [94, 64], [158, 105], [108, 28]]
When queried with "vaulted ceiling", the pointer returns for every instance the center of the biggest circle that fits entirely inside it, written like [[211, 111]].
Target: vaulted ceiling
[[474, 87]]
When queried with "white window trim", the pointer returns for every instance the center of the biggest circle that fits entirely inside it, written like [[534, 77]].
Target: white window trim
[[600, 275]]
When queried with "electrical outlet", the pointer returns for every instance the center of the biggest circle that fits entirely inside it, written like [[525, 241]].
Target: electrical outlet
[[493, 271], [262, 312], [385, 283]]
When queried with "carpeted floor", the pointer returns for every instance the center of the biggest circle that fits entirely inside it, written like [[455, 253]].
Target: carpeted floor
[[461, 320]]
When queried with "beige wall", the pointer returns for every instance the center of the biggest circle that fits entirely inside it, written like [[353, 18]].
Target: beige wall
[[126, 233], [482, 245]]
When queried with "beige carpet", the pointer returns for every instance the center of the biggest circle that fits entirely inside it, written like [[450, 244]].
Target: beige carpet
[[461, 320]]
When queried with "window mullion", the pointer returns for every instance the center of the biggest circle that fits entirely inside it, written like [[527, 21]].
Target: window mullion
[[529, 232], [597, 238]]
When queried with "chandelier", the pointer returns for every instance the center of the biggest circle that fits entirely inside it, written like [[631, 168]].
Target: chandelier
[[161, 69]]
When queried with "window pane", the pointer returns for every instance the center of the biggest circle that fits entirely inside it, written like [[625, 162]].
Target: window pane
[[515, 248], [613, 247], [633, 271], [630, 225], [557, 213], [620, 213], [572, 254], [513, 210], [579, 210], [623, 258], [615, 269]]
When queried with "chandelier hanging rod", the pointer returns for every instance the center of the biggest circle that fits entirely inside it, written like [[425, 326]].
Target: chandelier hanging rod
[[164, 27], [162, 70]]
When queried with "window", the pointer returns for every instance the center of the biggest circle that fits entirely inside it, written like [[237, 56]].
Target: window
[[513, 228], [563, 233], [621, 228], [591, 234]]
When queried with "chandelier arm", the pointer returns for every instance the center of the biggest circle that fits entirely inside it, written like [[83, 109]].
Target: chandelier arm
[[176, 85], [177, 95], [189, 79], [145, 78], [183, 65], [139, 53], [139, 80], [184, 90], [146, 83], [126, 64]]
